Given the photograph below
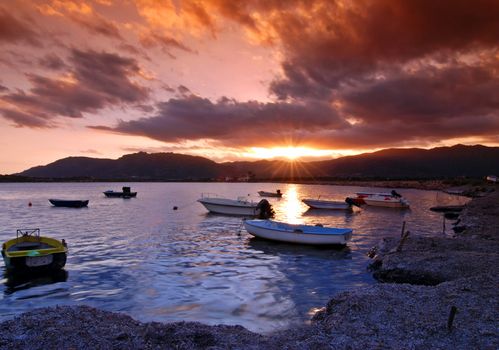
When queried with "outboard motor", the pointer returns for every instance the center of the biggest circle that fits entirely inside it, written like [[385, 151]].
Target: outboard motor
[[265, 209], [352, 201], [396, 194]]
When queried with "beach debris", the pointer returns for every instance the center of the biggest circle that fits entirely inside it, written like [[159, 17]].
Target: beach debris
[[452, 314]]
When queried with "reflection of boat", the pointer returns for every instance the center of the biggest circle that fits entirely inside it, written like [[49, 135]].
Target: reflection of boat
[[69, 203], [16, 282], [325, 204], [386, 201], [126, 193], [304, 234], [283, 250], [240, 206], [277, 193], [31, 252], [447, 208]]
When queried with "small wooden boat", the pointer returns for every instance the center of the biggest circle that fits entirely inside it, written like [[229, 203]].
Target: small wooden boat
[[226, 206], [68, 203], [447, 208], [30, 252], [126, 193], [325, 204], [277, 194], [303, 234]]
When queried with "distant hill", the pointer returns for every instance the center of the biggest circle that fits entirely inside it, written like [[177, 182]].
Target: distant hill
[[459, 160], [141, 166]]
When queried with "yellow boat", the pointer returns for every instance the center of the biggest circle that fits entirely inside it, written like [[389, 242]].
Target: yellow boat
[[31, 252]]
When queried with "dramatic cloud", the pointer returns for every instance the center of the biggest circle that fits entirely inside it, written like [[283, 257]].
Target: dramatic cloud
[[14, 30], [340, 74], [95, 80], [229, 121]]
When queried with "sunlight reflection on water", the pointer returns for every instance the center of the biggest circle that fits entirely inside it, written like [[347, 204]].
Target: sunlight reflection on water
[[141, 257]]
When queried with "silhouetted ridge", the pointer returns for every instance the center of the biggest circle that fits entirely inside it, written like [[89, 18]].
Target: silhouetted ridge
[[396, 163]]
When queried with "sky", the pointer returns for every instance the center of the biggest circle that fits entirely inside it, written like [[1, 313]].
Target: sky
[[233, 80]]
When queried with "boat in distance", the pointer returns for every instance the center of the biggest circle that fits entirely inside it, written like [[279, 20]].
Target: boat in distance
[[302, 234], [125, 193], [30, 252], [69, 203], [226, 206], [277, 194], [325, 204]]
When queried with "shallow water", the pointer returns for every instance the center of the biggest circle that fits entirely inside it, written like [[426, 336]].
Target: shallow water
[[141, 257]]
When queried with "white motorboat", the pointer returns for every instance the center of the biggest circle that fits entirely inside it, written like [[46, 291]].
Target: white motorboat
[[240, 206], [361, 196], [304, 234], [277, 194], [325, 204], [386, 201]]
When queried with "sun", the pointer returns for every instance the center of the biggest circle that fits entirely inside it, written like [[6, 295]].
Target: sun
[[289, 153]]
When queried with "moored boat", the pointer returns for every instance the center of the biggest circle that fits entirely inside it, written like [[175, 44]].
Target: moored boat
[[386, 201], [126, 193], [226, 206], [30, 252], [303, 234], [69, 203], [277, 194], [326, 204], [362, 195]]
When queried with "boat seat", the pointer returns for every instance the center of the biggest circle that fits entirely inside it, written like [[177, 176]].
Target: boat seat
[[28, 246]]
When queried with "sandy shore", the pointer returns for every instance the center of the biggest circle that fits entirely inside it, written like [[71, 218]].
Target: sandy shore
[[429, 278]]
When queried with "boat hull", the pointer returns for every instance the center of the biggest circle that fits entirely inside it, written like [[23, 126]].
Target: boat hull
[[228, 207], [386, 203], [113, 194], [23, 264], [68, 203], [448, 208], [300, 234], [331, 205]]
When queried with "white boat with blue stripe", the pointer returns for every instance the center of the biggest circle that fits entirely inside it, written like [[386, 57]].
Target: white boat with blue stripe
[[303, 234]]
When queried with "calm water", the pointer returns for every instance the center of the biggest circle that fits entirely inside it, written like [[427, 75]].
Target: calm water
[[140, 257]]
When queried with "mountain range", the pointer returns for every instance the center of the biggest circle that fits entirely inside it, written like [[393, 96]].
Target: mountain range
[[441, 162]]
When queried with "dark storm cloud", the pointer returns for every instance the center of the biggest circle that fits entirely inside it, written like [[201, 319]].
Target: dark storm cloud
[[345, 44], [409, 71], [438, 94], [14, 30], [192, 118], [96, 80]]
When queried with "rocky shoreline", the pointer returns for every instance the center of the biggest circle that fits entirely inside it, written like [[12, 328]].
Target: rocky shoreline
[[442, 294]]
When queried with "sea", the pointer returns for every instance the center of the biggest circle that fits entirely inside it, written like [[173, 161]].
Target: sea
[[141, 257]]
